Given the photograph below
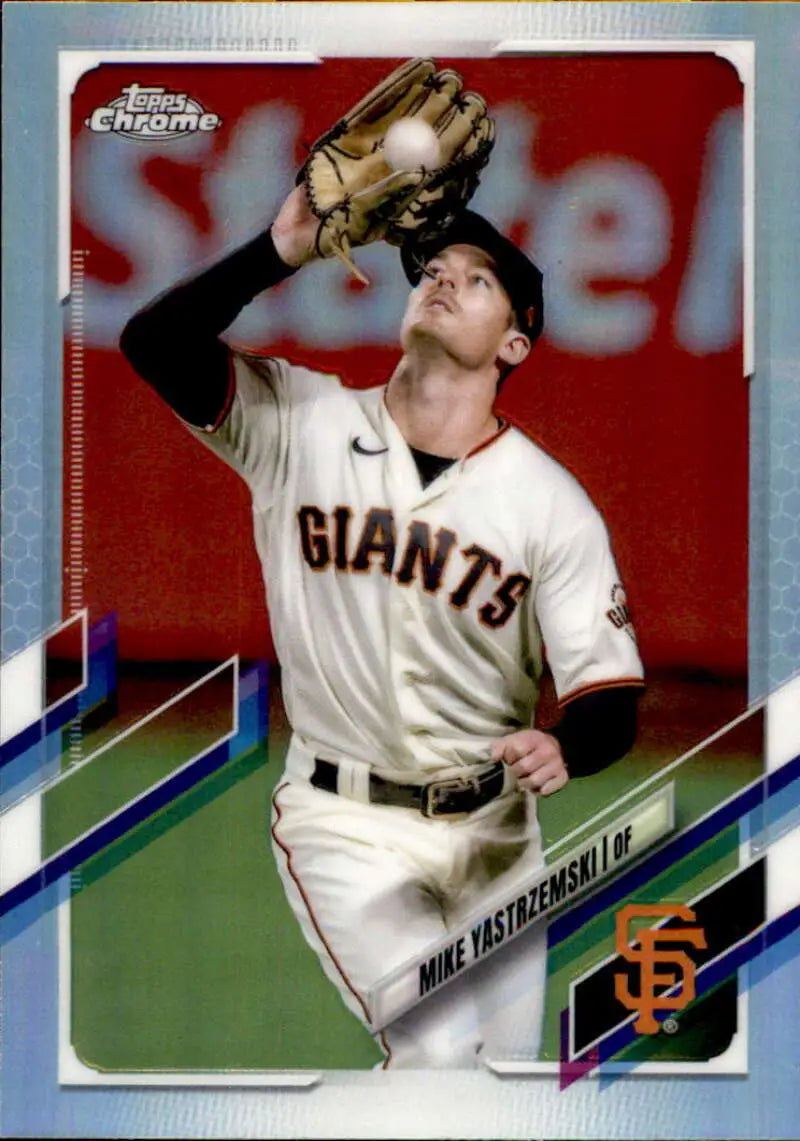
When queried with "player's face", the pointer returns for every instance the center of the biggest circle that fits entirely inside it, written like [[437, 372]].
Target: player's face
[[461, 307]]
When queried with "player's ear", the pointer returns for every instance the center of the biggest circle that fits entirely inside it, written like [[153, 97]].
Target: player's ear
[[515, 348]]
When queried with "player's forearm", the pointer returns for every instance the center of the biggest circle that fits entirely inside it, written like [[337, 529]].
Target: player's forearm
[[597, 729], [173, 343]]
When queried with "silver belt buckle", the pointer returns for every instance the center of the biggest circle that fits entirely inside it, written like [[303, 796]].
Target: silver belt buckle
[[436, 794]]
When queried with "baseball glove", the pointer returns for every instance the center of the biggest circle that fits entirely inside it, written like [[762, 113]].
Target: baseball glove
[[350, 186]]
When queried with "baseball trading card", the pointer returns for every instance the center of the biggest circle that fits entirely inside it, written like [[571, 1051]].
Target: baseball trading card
[[400, 588]]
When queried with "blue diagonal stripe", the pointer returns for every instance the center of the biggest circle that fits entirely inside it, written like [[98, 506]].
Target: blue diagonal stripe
[[117, 825], [101, 682], [673, 850], [252, 729]]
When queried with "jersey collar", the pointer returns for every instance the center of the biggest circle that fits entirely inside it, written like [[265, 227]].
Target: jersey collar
[[402, 468]]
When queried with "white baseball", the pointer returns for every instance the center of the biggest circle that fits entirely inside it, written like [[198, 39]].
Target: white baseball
[[410, 144]]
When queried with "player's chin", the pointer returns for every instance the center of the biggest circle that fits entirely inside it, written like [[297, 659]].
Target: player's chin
[[424, 336]]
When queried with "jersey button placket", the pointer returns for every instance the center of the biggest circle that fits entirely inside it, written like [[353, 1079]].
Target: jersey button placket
[[410, 635], [399, 617]]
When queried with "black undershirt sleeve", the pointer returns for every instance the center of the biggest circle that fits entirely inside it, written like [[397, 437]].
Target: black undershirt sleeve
[[597, 729], [173, 343]]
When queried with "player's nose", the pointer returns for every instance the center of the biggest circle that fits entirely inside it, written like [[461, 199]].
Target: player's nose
[[445, 279]]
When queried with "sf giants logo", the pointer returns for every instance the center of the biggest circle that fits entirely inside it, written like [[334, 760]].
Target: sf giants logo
[[650, 956]]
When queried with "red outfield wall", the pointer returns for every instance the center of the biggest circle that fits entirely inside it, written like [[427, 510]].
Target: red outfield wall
[[618, 173]]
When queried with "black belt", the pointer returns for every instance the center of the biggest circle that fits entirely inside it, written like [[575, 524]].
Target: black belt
[[448, 797]]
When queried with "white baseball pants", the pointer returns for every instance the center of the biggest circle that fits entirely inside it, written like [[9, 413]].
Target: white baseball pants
[[374, 886]]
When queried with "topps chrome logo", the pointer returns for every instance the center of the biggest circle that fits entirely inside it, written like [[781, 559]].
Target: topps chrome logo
[[152, 113]]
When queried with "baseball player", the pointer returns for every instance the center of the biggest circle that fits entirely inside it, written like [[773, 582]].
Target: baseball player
[[419, 554]]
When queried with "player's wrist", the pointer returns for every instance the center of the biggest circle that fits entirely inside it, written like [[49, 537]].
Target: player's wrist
[[287, 249], [294, 230]]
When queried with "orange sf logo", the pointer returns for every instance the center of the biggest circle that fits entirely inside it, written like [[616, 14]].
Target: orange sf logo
[[650, 957]]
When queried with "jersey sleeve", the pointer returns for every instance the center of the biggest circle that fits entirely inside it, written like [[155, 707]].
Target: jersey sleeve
[[581, 606], [255, 434]]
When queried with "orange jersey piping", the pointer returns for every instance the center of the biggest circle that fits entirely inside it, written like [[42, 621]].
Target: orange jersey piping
[[595, 686], [501, 431]]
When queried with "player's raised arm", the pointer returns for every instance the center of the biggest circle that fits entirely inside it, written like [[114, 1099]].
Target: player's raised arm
[[174, 342], [294, 231], [353, 189]]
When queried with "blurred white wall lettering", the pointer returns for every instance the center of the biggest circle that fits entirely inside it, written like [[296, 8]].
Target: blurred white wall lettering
[[708, 313], [602, 232]]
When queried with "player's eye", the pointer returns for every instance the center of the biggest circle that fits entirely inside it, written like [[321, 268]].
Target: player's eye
[[481, 279]]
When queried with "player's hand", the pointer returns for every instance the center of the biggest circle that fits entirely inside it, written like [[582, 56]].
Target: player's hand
[[294, 231], [535, 758]]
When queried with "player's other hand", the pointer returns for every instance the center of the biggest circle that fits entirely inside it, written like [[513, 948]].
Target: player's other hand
[[294, 231], [535, 758]]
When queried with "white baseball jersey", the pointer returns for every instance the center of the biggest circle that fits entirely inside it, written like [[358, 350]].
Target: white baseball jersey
[[411, 623]]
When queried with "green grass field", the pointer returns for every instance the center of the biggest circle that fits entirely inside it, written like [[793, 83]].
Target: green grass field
[[184, 954]]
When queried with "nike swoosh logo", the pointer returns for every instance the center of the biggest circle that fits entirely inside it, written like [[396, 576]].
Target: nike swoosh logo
[[362, 451]]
